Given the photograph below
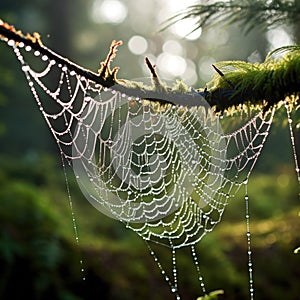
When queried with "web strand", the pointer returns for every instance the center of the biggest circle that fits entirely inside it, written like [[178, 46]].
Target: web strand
[[249, 250], [293, 142]]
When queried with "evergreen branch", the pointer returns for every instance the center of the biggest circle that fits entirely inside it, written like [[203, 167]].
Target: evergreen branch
[[249, 13]]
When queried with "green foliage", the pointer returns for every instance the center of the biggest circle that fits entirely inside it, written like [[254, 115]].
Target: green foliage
[[28, 229], [212, 295], [38, 248], [248, 13]]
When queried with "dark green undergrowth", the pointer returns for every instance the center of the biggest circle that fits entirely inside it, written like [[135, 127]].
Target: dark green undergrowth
[[40, 258]]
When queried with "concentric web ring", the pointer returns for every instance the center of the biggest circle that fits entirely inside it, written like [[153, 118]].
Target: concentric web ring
[[138, 162]]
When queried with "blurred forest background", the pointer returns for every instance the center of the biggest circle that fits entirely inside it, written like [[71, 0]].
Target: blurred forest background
[[39, 256]]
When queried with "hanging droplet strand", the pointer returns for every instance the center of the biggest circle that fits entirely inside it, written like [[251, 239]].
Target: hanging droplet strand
[[173, 286], [290, 121], [174, 269], [82, 270], [196, 263], [249, 251]]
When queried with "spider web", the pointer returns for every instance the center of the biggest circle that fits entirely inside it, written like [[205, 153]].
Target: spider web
[[167, 172]]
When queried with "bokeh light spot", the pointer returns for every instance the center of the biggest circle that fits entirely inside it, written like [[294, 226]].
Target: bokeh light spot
[[173, 47], [283, 180], [137, 45], [170, 64], [278, 37], [108, 11], [185, 29], [205, 67]]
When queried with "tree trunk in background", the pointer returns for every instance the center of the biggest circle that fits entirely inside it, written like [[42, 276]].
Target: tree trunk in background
[[59, 14], [297, 25]]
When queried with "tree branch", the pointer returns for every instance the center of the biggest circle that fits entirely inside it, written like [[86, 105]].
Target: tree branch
[[236, 83]]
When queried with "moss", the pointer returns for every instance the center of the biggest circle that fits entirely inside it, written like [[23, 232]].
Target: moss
[[265, 84]]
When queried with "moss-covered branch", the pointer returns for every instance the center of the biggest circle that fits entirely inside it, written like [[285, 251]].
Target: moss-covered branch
[[235, 84]]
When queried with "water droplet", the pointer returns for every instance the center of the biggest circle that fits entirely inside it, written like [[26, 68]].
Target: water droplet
[[37, 53], [25, 68], [11, 43], [44, 57], [173, 290], [27, 48]]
